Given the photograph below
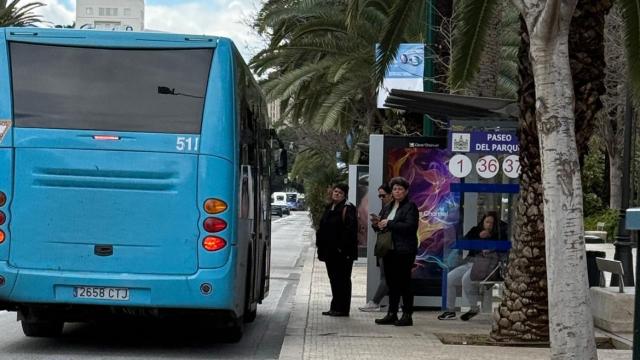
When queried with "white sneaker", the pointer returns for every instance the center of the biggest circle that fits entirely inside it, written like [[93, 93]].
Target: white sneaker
[[370, 307]]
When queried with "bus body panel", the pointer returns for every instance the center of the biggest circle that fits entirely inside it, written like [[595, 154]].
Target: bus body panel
[[142, 193], [6, 108], [220, 125], [158, 291], [68, 202], [214, 174], [104, 140], [107, 39], [6, 186]]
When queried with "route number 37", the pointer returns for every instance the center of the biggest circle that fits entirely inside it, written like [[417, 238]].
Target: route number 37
[[187, 143]]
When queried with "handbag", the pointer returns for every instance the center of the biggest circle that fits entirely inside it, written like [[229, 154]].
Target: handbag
[[483, 265], [384, 243]]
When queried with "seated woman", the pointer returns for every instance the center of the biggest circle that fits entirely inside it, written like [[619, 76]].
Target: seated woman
[[489, 228]]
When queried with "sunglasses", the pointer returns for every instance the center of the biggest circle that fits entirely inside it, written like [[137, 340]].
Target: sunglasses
[[382, 196]]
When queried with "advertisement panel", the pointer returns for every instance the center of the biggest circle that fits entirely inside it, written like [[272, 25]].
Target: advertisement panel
[[423, 161], [406, 71]]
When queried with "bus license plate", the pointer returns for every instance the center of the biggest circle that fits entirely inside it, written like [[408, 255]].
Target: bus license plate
[[102, 293]]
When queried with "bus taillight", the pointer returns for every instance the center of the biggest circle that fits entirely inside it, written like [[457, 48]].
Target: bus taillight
[[3, 217], [215, 206], [3, 198], [213, 225], [213, 243], [1, 236]]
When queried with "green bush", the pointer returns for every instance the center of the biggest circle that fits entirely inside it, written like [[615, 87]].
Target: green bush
[[610, 219]]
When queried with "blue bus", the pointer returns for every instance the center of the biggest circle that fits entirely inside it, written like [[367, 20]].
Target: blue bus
[[134, 179]]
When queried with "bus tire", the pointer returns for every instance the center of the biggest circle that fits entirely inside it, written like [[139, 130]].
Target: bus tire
[[233, 333], [43, 328], [249, 315]]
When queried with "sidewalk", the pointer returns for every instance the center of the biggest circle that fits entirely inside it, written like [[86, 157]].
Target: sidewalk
[[310, 335]]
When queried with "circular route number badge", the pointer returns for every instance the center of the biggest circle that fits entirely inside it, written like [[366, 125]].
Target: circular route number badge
[[511, 166], [460, 166], [487, 166]]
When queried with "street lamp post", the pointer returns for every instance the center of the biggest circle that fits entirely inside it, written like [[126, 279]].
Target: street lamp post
[[623, 242], [427, 123], [633, 223]]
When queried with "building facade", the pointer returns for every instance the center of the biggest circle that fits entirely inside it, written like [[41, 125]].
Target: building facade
[[110, 14]]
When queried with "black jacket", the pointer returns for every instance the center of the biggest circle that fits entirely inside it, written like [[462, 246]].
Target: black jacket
[[403, 227], [338, 237], [499, 233]]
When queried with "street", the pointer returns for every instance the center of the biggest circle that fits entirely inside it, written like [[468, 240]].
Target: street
[[153, 340]]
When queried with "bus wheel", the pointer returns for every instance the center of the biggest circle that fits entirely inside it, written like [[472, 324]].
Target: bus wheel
[[42, 328], [233, 333], [250, 315]]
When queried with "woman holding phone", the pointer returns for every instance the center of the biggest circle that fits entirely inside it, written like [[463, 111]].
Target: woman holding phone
[[400, 217], [384, 194]]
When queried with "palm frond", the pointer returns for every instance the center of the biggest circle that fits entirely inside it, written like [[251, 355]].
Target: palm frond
[[393, 30], [14, 15], [472, 20]]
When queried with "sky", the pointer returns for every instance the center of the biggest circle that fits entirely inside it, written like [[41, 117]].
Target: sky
[[209, 17]]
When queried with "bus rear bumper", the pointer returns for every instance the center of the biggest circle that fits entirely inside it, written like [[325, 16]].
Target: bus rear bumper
[[28, 286]]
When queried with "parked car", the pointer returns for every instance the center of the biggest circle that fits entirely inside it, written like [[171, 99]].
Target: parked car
[[276, 210]]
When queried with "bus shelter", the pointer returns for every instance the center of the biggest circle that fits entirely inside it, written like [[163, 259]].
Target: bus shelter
[[455, 179]]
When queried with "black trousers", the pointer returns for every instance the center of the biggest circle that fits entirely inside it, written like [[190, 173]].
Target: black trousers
[[339, 270], [397, 270]]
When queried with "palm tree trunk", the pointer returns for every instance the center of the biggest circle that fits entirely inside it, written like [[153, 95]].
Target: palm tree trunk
[[523, 312], [570, 320], [485, 82], [586, 53]]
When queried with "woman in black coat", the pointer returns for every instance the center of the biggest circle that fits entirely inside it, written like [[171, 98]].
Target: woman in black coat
[[337, 243], [401, 218]]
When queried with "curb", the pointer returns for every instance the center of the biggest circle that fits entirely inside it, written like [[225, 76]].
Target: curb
[[293, 344]]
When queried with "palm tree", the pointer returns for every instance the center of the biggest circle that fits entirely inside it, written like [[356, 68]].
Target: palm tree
[[523, 314], [319, 69], [319, 171], [587, 67], [12, 14]]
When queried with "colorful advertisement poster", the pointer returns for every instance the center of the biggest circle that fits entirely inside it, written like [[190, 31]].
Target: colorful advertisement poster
[[423, 162]]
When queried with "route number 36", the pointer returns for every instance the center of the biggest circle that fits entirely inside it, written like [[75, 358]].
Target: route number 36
[[487, 166]]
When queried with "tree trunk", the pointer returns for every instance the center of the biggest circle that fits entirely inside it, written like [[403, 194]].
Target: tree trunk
[[611, 123], [485, 81], [570, 319], [615, 181], [586, 55], [523, 312]]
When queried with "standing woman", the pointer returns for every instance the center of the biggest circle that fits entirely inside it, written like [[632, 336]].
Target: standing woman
[[337, 243], [401, 218]]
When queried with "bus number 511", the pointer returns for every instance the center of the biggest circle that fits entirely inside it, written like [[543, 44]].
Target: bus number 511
[[184, 143]]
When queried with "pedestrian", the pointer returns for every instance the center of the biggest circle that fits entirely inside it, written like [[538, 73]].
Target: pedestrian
[[384, 194], [400, 217], [337, 243], [476, 265]]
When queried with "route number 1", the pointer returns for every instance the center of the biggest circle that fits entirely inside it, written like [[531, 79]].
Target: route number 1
[[460, 166]]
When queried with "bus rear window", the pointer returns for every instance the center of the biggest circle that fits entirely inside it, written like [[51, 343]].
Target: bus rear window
[[141, 90]]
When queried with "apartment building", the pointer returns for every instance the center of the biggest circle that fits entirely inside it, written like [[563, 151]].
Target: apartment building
[[110, 14]]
